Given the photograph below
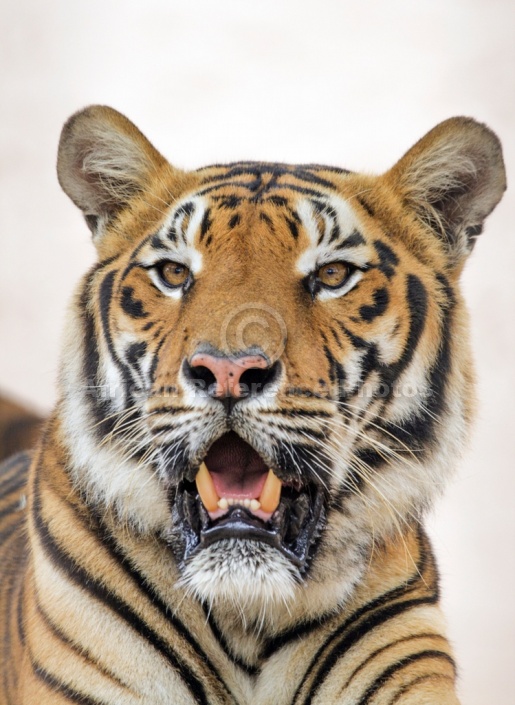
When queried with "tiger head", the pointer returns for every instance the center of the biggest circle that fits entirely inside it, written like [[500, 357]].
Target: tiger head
[[268, 367]]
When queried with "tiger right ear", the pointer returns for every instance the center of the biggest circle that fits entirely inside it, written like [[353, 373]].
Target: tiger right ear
[[103, 161], [452, 179]]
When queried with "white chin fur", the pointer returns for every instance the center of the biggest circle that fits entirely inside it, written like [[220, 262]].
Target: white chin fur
[[249, 575]]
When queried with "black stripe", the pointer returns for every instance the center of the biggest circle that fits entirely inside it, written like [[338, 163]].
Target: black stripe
[[355, 239], [322, 167], [371, 458], [22, 459], [420, 428], [157, 244], [388, 260], [206, 224], [266, 219], [235, 219], [91, 363], [69, 693], [381, 300], [355, 339], [304, 175], [335, 232], [336, 336], [10, 509], [293, 413], [86, 582], [132, 260], [233, 201], [131, 306], [274, 167], [79, 649], [389, 672], [9, 530], [19, 613], [294, 229], [218, 635], [104, 301], [416, 297], [300, 630], [13, 483], [366, 206], [336, 372], [408, 686], [10, 584], [396, 642], [169, 409], [155, 359], [134, 353], [308, 433], [280, 201]]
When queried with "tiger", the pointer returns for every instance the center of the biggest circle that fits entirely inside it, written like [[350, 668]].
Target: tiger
[[265, 383]]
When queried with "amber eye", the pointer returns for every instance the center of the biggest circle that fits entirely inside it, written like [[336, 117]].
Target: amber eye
[[174, 274], [333, 274]]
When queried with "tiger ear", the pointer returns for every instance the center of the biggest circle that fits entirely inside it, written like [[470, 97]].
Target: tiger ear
[[103, 161], [453, 178]]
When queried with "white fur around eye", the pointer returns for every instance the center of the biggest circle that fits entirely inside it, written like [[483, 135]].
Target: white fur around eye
[[325, 294]]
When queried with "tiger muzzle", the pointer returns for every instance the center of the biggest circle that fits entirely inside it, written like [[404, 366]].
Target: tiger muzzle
[[235, 495]]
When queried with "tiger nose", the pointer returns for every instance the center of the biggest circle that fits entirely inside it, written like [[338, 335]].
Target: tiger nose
[[223, 375]]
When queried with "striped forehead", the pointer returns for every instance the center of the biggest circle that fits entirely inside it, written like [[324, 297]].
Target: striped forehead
[[303, 197]]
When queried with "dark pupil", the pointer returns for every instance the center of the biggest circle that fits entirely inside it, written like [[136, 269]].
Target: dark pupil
[[332, 272]]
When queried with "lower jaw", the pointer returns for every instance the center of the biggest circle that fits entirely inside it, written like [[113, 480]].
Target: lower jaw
[[292, 530]]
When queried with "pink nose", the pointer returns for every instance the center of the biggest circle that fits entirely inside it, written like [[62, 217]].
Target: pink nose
[[228, 372]]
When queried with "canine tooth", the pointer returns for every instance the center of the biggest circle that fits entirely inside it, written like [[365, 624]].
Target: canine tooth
[[223, 503], [271, 494], [206, 489], [255, 505]]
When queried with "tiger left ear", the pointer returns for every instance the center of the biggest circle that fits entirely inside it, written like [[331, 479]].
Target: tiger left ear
[[453, 178], [103, 162]]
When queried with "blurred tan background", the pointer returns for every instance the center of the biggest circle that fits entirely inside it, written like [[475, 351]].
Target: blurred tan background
[[338, 81]]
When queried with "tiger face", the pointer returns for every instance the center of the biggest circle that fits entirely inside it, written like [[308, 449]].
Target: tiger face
[[268, 368]]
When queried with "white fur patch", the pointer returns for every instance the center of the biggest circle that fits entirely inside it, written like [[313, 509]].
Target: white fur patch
[[252, 576], [104, 472]]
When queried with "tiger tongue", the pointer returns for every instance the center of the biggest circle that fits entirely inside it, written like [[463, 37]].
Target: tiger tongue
[[236, 469], [233, 484]]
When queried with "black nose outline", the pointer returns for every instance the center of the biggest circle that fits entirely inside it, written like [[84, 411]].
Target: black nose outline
[[254, 380]]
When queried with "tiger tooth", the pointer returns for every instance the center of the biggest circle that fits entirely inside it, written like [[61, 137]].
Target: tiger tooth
[[223, 503], [206, 489], [271, 493], [255, 505]]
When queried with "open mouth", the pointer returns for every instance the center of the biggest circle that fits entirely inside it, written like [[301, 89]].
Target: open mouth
[[235, 495]]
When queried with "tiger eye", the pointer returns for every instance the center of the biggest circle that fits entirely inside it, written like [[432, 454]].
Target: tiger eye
[[174, 274], [333, 274]]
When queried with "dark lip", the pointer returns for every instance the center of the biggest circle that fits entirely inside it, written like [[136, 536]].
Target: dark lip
[[293, 529]]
